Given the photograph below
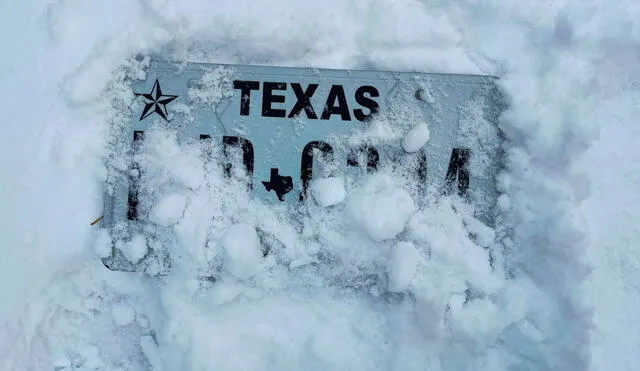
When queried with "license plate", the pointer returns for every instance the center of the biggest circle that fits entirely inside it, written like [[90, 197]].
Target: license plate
[[282, 121]]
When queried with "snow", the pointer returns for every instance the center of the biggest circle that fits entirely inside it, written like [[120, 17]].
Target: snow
[[135, 249], [150, 351], [241, 246], [102, 245], [214, 86], [403, 265], [328, 191], [612, 213], [169, 210], [123, 314], [416, 138], [381, 208], [369, 279]]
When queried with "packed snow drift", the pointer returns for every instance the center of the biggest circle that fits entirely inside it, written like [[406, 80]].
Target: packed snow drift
[[373, 279]]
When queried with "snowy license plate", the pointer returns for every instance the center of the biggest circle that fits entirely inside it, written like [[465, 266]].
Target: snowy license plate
[[282, 122]]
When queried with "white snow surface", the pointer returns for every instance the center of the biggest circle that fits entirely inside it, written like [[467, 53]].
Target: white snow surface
[[403, 265], [328, 191], [416, 138], [377, 281], [122, 314]]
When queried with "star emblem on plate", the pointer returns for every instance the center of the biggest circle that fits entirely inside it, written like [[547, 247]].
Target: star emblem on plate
[[156, 102]]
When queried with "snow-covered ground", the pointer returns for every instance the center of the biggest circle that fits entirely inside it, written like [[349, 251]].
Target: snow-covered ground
[[411, 293]]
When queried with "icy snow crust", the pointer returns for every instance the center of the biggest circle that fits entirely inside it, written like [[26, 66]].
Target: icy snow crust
[[252, 287]]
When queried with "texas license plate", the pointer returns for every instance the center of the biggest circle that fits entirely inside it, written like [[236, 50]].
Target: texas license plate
[[282, 120]]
